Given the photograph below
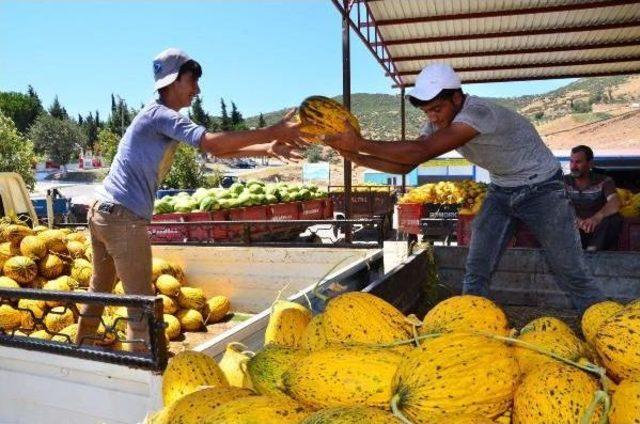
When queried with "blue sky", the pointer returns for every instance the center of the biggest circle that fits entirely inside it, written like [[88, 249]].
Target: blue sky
[[263, 55]]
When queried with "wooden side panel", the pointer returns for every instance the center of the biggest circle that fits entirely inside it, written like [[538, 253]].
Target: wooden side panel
[[524, 278], [252, 277]]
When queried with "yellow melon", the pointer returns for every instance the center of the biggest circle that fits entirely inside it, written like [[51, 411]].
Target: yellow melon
[[186, 372], [191, 298], [21, 269], [81, 271], [51, 266], [33, 247], [217, 308], [59, 318], [168, 285], [190, 320], [466, 313]]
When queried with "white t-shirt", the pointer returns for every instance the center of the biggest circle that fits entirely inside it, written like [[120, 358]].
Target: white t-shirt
[[508, 145]]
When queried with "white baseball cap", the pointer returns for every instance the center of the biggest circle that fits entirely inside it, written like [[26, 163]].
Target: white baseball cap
[[166, 66], [433, 79]]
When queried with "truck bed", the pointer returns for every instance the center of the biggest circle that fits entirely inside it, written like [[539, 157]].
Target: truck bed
[[39, 387]]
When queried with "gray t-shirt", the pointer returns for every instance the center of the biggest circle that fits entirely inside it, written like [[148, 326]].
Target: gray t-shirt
[[145, 155], [508, 145]]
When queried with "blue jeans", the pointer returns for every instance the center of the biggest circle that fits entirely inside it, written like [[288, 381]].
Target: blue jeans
[[546, 210]]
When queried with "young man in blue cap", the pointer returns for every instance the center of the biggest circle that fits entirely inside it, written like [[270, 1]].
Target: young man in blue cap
[[118, 219], [526, 178]]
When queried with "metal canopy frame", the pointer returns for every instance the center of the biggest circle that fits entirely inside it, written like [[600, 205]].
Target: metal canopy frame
[[492, 41]]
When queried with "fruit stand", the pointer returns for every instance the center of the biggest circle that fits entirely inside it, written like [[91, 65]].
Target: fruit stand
[[205, 215], [367, 201]]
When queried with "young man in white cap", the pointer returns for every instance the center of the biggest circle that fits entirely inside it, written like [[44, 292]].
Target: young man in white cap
[[118, 219], [526, 179]]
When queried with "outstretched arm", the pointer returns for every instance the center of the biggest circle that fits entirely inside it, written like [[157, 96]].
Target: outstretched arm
[[286, 131], [410, 153], [377, 163], [275, 149]]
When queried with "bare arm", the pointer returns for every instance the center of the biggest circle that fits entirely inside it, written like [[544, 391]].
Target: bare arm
[[274, 149], [222, 143], [410, 153], [377, 163], [611, 207]]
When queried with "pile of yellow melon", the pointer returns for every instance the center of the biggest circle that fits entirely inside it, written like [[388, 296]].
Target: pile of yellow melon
[[468, 194], [363, 361], [630, 203], [60, 259]]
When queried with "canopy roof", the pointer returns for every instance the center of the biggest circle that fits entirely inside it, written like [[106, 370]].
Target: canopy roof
[[500, 40]]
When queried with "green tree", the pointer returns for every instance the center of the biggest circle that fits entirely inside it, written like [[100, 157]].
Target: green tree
[[313, 153], [59, 139], [107, 143], [22, 109], [57, 111], [261, 122], [579, 106], [121, 116], [225, 121], [91, 129], [185, 172], [16, 152], [237, 121], [198, 114]]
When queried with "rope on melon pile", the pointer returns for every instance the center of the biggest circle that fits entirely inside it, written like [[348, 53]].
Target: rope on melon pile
[[278, 296], [589, 367], [315, 291], [415, 323], [599, 397], [396, 410]]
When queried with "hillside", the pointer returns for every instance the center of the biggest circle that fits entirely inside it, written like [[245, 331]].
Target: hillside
[[600, 111]]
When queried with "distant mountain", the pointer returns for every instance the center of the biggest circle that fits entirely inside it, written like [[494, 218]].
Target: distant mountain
[[584, 101]]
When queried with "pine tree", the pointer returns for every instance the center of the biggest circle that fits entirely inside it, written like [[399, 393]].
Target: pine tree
[[31, 92], [98, 123], [237, 121], [235, 115], [225, 122], [91, 130], [261, 122], [57, 111], [80, 121], [198, 114], [113, 104]]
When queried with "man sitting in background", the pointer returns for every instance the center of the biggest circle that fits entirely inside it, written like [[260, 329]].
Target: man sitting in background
[[595, 200]]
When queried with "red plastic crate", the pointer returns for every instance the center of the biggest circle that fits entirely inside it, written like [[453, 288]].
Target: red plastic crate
[[283, 211], [630, 235], [168, 233], [312, 209], [198, 232], [328, 209], [409, 215], [219, 232], [463, 229], [251, 213]]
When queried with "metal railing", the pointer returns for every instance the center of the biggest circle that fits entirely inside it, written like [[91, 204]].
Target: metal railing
[[109, 345], [277, 233]]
